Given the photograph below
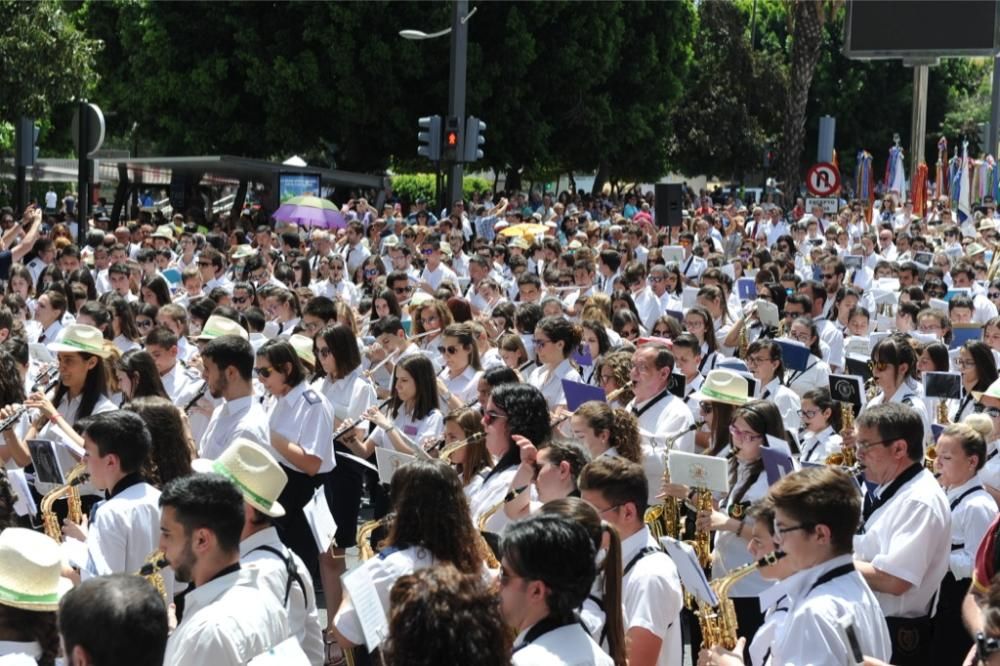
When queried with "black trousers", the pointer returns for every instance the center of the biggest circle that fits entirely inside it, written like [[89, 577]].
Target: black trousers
[[749, 618], [951, 640], [293, 527], [912, 641]]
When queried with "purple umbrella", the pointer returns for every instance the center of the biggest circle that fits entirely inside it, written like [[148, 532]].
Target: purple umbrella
[[310, 216]]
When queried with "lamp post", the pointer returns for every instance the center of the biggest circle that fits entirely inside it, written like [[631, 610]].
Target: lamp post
[[459, 32]]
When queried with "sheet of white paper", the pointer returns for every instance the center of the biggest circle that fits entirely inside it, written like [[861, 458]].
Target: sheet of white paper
[[354, 458], [698, 471], [364, 597], [41, 353], [25, 503], [286, 653], [689, 297], [317, 513], [767, 313], [389, 460], [691, 573]]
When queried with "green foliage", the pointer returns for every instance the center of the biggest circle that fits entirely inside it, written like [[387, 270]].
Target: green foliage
[[968, 104], [46, 59], [422, 185]]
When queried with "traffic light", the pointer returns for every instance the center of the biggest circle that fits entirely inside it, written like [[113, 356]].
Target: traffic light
[[451, 150], [26, 140], [474, 128], [770, 157], [429, 138]]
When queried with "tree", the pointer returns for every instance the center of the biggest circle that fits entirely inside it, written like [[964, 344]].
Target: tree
[[46, 58], [808, 17], [726, 116]]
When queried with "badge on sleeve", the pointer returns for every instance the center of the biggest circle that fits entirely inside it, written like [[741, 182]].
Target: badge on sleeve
[[311, 397]]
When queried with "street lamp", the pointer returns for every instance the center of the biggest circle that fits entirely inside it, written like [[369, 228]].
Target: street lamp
[[459, 32]]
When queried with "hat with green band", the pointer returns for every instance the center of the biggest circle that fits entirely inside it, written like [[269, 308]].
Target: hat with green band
[[30, 568], [217, 326], [724, 386], [254, 471], [81, 338]]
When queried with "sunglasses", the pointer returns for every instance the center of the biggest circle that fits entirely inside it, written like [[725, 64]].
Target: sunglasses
[[371, 272], [325, 352], [490, 416], [240, 300], [879, 365], [402, 290], [449, 350], [204, 264], [427, 251], [144, 323], [264, 372]]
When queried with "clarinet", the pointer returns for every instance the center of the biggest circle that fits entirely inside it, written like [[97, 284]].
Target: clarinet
[[197, 396]]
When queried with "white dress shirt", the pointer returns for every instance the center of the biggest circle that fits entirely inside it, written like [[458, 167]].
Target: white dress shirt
[[785, 399], [415, 430], [349, 396], [971, 515], [227, 622], [568, 644], [730, 550], [487, 493], [651, 595], [909, 537], [816, 375], [816, 446], [241, 417], [774, 604], [661, 417], [181, 384], [465, 386], [435, 277], [384, 572], [305, 417], [337, 291], [550, 382], [303, 619], [908, 394], [125, 529], [811, 633]]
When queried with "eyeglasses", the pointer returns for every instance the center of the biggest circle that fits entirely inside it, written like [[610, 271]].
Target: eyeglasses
[[864, 446], [756, 360], [706, 407], [204, 264], [745, 435], [658, 278], [965, 364], [144, 323], [994, 295], [808, 413], [371, 272], [489, 416], [880, 366], [780, 532], [449, 350], [402, 290], [540, 343], [601, 512], [986, 646], [264, 372], [325, 352]]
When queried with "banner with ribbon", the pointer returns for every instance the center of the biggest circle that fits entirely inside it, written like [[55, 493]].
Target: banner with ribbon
[[864, 184], [941, 173], [920, 187]]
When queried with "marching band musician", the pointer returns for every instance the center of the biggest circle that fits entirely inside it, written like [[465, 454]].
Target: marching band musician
[[513, 412], [551, 470], [904, 540], [430, 318], [350, 395], [413, 409], [393, 347], [895, 372], [651, 588], [301, 432], [421, 535], [764, 361], [555, 340], [181, 383], [228, 362], [687, 356], [460, 378], [547, 571], [960, 453], [978, 368], [464, 425], [821, 416], [817, 371], [607, 431], [753, 424]]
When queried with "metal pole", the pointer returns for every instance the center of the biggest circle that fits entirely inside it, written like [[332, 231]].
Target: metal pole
[[995, 113], [83, 170], [918, 126], [456, 89]]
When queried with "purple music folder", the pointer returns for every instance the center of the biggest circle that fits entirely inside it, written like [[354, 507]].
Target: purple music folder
[[578, 393], [776, 463], [582, 355]]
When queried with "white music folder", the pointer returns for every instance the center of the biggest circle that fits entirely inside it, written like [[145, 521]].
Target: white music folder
[[320, 519]]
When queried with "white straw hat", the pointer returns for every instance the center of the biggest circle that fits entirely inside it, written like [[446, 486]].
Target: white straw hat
[[30, 568], [724, 386], [303, 346], [80, 338], [254, 471], [218, 326]]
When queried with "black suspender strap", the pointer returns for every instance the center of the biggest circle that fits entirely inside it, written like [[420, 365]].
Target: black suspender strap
[[648, 550], [872, 505], [645, 408], [836, 572], [292, 571], [958, 500], [537, 631]]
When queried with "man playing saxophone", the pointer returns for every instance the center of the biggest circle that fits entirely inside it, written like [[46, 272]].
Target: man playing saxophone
[[829, 602], [651, 588]]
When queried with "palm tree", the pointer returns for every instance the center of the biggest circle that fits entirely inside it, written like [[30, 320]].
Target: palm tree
[[807, 18]]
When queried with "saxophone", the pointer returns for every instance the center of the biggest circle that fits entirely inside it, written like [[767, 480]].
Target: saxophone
[[365, 549], [744, 342], [50, 524], [846, 457], [665, 519], [482, 544], [702, 539], [718, 624], [151, 572]]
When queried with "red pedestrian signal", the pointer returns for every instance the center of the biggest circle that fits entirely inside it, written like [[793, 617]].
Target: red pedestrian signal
[[452, 138]]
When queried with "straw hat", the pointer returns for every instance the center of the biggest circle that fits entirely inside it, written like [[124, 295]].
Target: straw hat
[[218, 326], [30, 567], [724, 386], [163, 231], [254, 471], [992, 391], [303, 346], [243, 251], [80, 338]]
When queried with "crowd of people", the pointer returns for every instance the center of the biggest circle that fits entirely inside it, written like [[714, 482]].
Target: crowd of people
[[490, 399]]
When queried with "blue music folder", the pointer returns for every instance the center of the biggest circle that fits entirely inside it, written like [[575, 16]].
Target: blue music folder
[[794, 355], [962, 333], [776, 463], [746, 289], [578, 393]]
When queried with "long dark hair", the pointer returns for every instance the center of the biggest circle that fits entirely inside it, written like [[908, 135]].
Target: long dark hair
[[986, 365], [170, 455], [419, 490], [138, 364], [527, 415], [37, 626], [11, 386], [94, 386], [765, 419], [343, 345], [421, 370]]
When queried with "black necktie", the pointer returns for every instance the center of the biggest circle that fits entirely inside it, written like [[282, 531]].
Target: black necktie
[[767, 394], [41, 338]]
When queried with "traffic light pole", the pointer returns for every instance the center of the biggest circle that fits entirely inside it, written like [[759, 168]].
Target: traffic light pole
[[456, 88]]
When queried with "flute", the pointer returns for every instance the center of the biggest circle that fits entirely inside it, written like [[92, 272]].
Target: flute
[[197, 396], [350, 424], [6, 423]]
